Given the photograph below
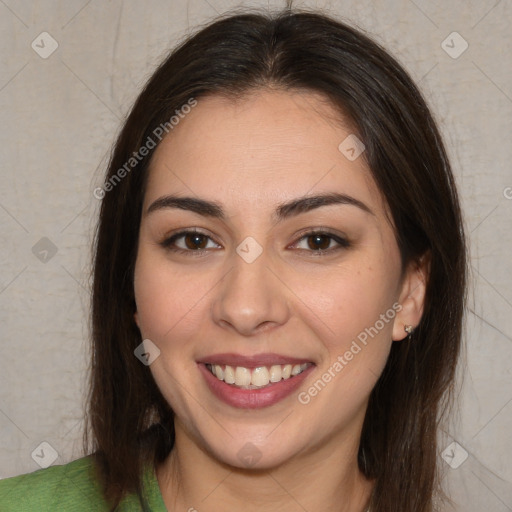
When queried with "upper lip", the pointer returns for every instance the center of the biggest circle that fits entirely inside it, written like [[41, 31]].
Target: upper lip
[[252, 361]]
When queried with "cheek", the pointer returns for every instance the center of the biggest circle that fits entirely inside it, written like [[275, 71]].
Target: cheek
[[356, 332], [167, 301], [349, 299], [351, 311]]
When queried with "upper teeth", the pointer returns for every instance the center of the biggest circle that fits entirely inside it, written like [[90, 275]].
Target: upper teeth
[[256, 377]]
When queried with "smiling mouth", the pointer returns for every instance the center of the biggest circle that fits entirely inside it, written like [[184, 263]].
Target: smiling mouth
[[256, 378]]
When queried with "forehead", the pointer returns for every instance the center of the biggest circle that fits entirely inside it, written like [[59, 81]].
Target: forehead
[[268, 146]]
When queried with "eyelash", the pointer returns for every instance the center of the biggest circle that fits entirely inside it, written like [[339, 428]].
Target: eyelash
[[342, 242]]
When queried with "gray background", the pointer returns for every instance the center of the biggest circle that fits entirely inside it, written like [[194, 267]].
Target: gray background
[[59, 119]]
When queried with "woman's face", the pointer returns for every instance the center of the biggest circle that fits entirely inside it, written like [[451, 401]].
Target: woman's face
[[269, 283]]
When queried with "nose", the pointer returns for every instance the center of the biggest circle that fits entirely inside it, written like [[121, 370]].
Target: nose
[[250, 298]]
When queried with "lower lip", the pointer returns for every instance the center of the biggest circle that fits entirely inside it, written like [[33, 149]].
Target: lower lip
[[253, 398]]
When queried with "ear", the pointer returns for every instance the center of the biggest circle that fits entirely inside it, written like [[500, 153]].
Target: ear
[[412, 296], [136, 318]]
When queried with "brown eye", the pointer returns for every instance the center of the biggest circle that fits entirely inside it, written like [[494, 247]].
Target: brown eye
[[195, 241], [189, 241], [319, 242]]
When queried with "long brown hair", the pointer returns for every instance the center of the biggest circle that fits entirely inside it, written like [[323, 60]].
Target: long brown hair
[[128, 423]]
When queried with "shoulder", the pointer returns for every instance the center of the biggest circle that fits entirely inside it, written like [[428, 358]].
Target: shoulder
[[70, 487]]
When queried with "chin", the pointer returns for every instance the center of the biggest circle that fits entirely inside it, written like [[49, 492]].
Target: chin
[[252, 453]]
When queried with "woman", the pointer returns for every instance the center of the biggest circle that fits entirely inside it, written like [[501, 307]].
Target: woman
[[279, 284]]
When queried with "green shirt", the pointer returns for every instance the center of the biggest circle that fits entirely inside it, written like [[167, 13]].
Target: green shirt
[[71, 487]]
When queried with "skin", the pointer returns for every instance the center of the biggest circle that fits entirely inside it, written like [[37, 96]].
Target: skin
[[250, 156]]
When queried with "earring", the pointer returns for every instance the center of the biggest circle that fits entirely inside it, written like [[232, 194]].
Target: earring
[[409, 330]]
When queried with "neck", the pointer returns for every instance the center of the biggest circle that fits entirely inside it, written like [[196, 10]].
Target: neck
[[327, 477]]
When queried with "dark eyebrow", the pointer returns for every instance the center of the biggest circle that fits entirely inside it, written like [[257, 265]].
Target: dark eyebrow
[[282, 212], [200, 206], [307, 203]]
